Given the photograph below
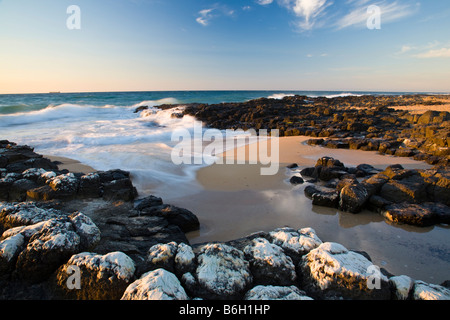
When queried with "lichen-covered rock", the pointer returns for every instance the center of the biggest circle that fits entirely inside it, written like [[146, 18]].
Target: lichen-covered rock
[[24, 213], [65, 185], [158, 284], [295, 243], [331, 271], [269, 264], [162, 256], [47, 249], [276, 293], [402, 286], [222, 272], [33, 252], [101, 277], [426, 291], [184, 259]]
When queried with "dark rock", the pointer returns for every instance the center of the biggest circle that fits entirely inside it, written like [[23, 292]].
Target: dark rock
[[121, 189], [150, 201], [180, 217], [353, 198], [412, 214], [296, 180]]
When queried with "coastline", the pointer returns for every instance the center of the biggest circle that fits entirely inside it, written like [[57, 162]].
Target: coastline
[[72, 165]]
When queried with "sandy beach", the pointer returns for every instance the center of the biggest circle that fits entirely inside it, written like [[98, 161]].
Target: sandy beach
[[72, 165]]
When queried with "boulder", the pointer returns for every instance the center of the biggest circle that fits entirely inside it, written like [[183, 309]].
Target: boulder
[[269, 264], [402, 287], [101, 277], [412, 189], [295, 243], [162, 256], [426, 291], [353, 198], [121, 189], [180, 217], [36, 248], [411, 214], [158, 284], [276, 293], [332, 271], [295, 180], [222, 273]]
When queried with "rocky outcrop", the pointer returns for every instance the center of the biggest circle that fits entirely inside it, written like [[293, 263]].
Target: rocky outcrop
[[366, 123], [26, 175], [415, 197]]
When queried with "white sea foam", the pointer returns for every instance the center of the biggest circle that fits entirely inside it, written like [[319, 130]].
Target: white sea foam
[[280, 96], [108, 137]]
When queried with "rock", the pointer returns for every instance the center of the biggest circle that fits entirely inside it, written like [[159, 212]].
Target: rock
[[46, 244], [102, 277], [292, 166], [18, 190], [65, 185], [296, 180], [412, 214], [162, 256], [156, 285], [24, 213], [184, 259], [222, 272], [90, 186], [9, 251], [425, 291], [276, 293], [326, 199], [332, 271], [295, 243], [412, 189], [269, 264], [183, 218], [353, 198], [121, 189], [329, 162], [148, 202], [402, 286]]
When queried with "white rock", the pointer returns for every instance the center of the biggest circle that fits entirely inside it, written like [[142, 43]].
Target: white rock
[[300, 242], [162, 253], [332, 266], [184, 258], [117, 263], [11, 246], [276, 293], [222, 270], [426, 291], [402, 285], [269, 261], [156, 285]]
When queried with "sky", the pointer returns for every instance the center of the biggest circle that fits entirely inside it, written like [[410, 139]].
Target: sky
[[154, 45]]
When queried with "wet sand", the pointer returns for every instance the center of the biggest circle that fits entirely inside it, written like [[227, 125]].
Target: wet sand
[[70, 164]]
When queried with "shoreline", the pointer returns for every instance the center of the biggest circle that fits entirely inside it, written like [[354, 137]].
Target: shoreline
[[72, 165]]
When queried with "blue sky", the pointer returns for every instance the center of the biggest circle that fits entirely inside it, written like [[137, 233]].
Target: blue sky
[[224, 45]]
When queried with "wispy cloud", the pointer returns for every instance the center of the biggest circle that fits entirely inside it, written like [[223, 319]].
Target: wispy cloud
[[431, 50], [437, 53], [206, 15], [312, 14], [390, 12]]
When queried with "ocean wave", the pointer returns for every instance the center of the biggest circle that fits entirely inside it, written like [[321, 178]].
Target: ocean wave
[[280, 96], [340, 95]]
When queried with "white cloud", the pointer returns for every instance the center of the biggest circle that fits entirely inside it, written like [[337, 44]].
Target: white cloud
[[264, 2], [205, 16], [308, 10], [390, 11], [437, 53]]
